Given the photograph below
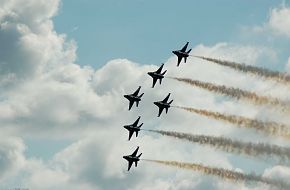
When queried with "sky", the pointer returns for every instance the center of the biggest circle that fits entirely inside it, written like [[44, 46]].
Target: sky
[[66, 64], [147, 31]]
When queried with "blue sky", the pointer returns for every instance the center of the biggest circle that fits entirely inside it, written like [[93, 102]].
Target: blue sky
[[147, 31]]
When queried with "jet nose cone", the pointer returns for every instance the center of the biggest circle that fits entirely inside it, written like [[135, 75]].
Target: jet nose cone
[[155, 103], [124, 157]]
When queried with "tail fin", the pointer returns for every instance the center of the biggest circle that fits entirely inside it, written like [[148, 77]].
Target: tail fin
[[136, 163], [140, 125], [137, 103], [141, 95], [166, 110], [164, 72], [170, 102], [160, 81], [188, 51], [136, 133]]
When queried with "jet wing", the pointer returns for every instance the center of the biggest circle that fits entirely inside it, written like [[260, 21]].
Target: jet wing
[[135, 152], [137, 91], [136, 122], [130, 164], [130, 134], [160, 69], [184, 47], [160, 111], [154, 82], [179, 60], [166, 99], [131, 102]]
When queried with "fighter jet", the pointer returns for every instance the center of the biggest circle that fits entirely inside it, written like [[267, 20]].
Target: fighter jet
[[157, 75], [132, 158], [182, 54], [134, 98], [133, 128], [163, 104]]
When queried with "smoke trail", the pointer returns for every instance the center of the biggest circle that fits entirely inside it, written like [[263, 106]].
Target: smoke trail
[[274, 75], [271, 128], [236, 93], [223, 173], [231, 146]]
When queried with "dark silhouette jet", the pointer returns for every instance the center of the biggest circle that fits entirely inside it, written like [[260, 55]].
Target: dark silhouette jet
[[157, 75], [132, 158], [163, 104], [133, 128], [134, 98], [182, 54]]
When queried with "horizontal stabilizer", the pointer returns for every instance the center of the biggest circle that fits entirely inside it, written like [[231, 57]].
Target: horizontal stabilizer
[[166, 110], [139, 155]]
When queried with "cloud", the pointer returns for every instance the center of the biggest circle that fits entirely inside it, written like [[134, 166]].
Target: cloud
[[277, 25], [95, 160], [11, 156], [279, 20], [29, 43], [44, 176]]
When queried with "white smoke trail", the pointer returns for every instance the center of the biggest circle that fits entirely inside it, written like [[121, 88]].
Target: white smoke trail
[[223, 173], [233, 146], [237, 93], [262, 72], [269, 128]]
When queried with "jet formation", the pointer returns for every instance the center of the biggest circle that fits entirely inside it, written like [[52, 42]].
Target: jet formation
[[164, 104]]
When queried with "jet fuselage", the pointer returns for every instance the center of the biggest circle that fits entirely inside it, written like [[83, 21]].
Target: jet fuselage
[[131, 127], [162, 104], [180, 53], [156, 75], [131, 158], [131, 97]]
